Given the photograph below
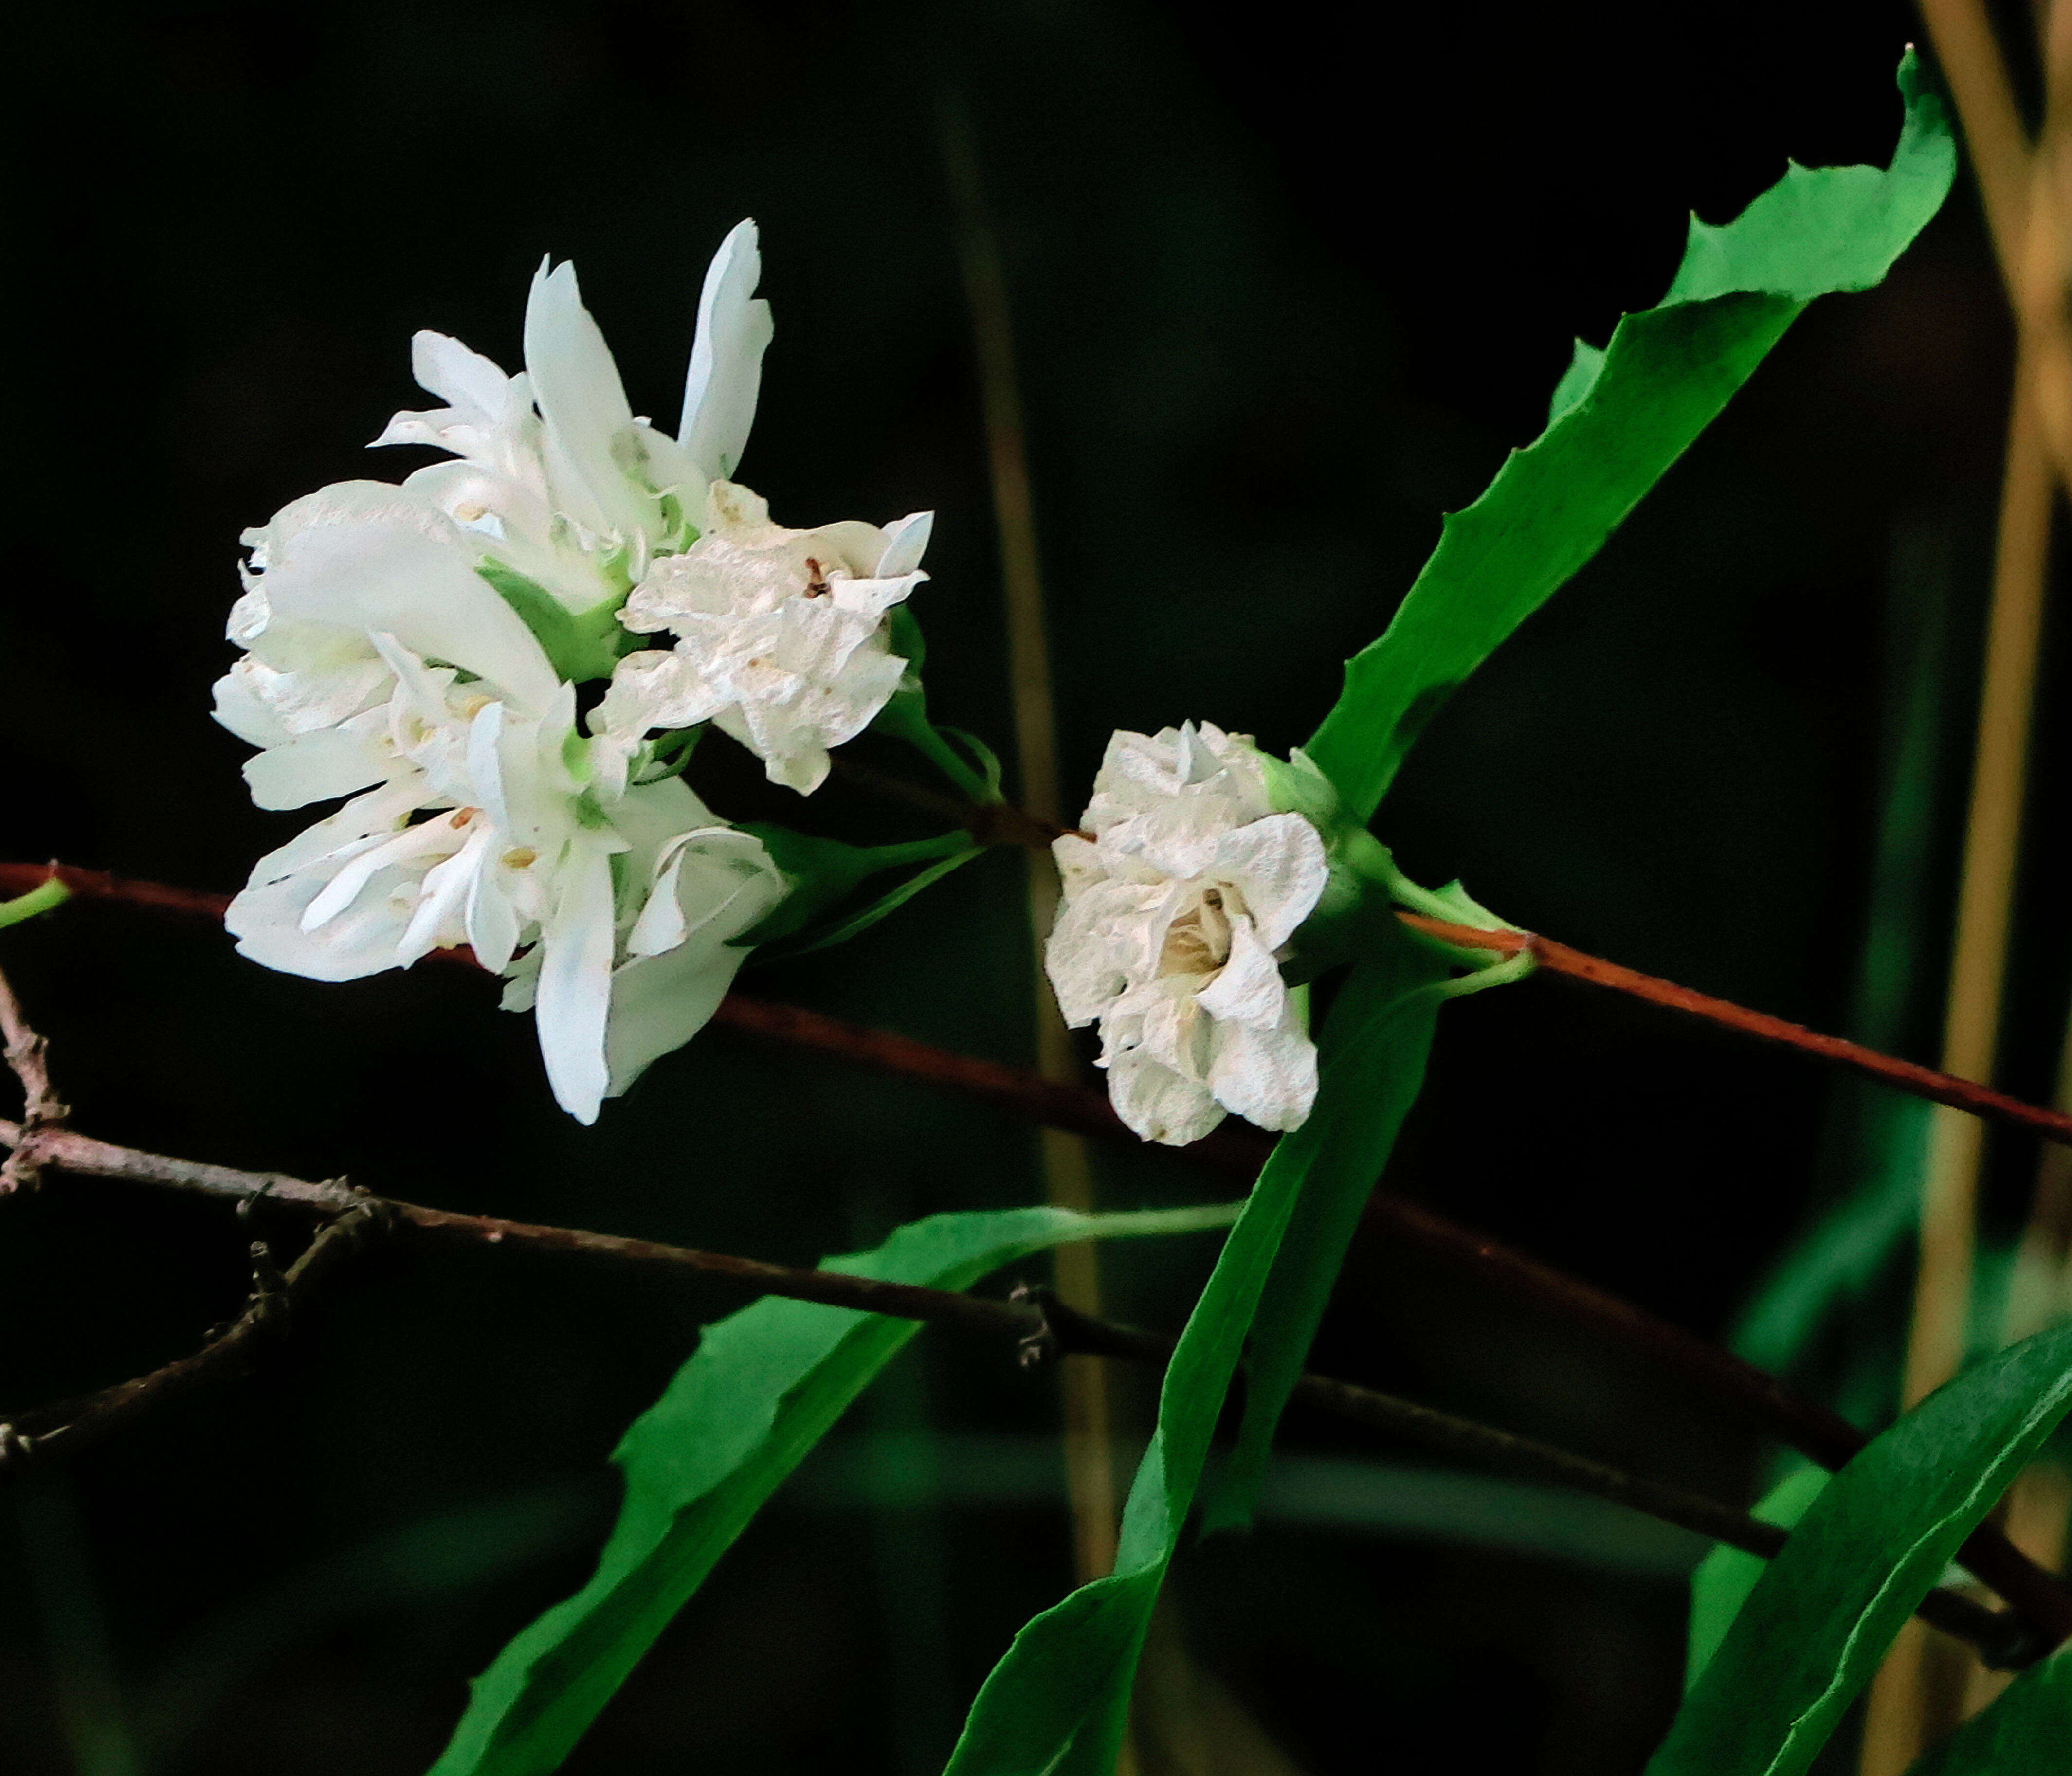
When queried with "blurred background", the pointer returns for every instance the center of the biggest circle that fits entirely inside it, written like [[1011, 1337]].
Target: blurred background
[[1285, 287]]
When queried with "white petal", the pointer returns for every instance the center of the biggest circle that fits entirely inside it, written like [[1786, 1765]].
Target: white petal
[[469, 382], [267, 920], [446, 886], [492, 921], [1158, 1104], [1279, 865], [1267, 1076], [905, 539], [575, 986], [583, 402], [365, 820], [726, 371], [363, 555], [240, 707], [315, 767], [1248, 990], [358, 871], [659, 1003]]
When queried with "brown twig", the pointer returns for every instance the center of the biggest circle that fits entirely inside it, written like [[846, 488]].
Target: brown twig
[[1231, 1152], [65, 1428], [1804, 1425], [1920, 1081], [1036, 1323], [42, 1111]]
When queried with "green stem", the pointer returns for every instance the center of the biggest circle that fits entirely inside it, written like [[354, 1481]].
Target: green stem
[[51, 892]]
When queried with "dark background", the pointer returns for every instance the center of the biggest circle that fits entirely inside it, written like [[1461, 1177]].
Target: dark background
[[1287, 284]]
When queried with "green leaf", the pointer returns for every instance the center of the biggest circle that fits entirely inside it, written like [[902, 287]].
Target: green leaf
[[1057, 1702], [763, 1386], [1725, 1576], [1374, 1034], [1620, 419], [887, 903], [1868, 1549], [824, 873], [2025, 1733]]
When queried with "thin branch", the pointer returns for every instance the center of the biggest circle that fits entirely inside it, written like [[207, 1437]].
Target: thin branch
[[1036, 1323], [1230, 1151], [1233, 1152], [1804, 1425], [67, 1427], [42, 1111], [1920, 1081]]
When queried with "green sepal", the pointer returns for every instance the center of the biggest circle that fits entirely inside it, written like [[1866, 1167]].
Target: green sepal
[[824, 873], [582, 645], [905, 717]]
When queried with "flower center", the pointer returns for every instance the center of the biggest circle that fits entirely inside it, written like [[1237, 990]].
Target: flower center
[[1198, 942]]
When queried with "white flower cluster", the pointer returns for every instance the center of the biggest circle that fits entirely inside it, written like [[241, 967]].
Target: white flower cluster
[[417, 648], [1175, 914]]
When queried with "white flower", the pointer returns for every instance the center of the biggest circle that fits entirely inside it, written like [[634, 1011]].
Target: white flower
[[781, 636], [329, 573], [1172, 917], [556, 480], [623, 905]]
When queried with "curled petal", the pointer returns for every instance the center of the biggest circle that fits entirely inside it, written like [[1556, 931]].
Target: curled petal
[[1249, 990], [1158, 1104], [1267, 1076], [573, 998], [1280, 866], [725, 372]]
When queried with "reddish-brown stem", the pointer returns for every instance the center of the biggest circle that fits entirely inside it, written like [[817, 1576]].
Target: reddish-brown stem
[[1908, 1076], [1063, 1107], [1236, 1152], [1804, 1424], [1038, 1323]]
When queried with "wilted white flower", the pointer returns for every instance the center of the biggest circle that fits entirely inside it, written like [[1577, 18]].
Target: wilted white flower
[[556, 480], [781, 636], [1173, 917], [482, 827]]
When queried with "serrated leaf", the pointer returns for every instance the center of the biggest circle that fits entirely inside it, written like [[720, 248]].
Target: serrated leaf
[[2026, 1732], [762, 1386], [1620, 419], [1867, 1550], [1057, 1702]]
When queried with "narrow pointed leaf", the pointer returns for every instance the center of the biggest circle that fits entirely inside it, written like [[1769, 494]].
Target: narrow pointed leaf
[[762, 1386], [1620, 418], [1326, 1211], [1056, 1703], [1867, 1550]]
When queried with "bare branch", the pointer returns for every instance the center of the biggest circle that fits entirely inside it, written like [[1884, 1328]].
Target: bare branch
[[42, 1111], [67, 1427]]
